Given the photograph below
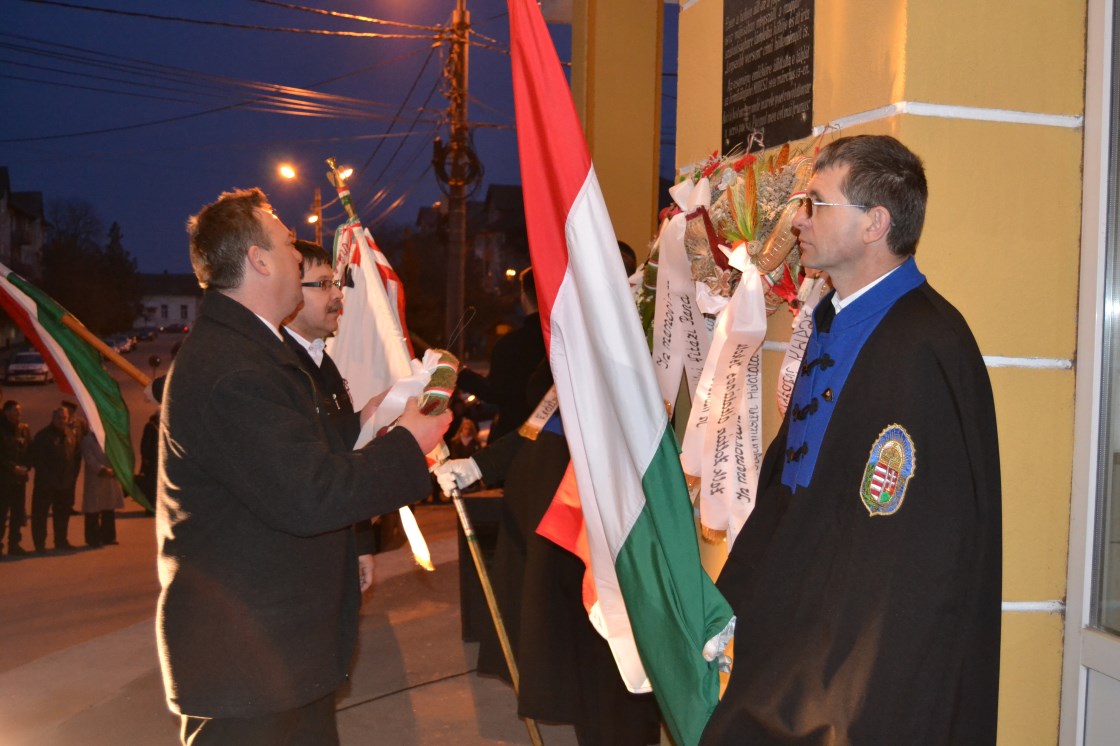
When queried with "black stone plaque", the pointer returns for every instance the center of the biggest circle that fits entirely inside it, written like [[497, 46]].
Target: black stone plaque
[[767, 72]]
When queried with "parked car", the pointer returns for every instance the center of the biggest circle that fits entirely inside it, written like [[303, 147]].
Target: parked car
[[27, 367], [146, 333], [174, 329], [116, 344], [127, 342]]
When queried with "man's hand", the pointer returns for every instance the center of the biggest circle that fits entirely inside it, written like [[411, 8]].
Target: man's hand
[[371, 406], [456, 473], [365, 571], [427, 429]]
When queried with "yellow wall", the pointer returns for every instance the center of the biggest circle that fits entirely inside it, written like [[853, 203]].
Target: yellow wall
[[616, 83], [1002, 242]]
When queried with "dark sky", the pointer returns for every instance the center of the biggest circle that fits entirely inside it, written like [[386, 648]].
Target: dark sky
[[65, 72]]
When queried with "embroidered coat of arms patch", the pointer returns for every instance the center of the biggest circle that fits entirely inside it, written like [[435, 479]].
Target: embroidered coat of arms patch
[[888, 471]]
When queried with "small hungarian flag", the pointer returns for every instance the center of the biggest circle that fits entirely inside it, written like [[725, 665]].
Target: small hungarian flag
[[77, 370], [644, 552]]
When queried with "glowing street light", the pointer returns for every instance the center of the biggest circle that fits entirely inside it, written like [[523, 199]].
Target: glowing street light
[[288, 171]]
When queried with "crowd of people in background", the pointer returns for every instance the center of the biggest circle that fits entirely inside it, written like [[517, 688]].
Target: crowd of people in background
[[51, 461]]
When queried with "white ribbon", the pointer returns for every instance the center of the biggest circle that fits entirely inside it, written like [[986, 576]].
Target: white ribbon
[[723, 440], [401, 391], [810, 293], [680, 337]]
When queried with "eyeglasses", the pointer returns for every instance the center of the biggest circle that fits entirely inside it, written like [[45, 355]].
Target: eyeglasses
[[810, 204], [322, 284]]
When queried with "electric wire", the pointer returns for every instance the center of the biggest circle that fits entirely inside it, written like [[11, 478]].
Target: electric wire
[[351, 16], [404, 102], [226, 24]]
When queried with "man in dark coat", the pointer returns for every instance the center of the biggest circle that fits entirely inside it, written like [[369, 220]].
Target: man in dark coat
[[15, 439], [512, 361], [56, 460], [866, 581], [304, 332], [257, 618]]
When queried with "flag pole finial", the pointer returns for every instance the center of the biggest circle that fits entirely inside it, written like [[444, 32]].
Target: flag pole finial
[[338, 181]]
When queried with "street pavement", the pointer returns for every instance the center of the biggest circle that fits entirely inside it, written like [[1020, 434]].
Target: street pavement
[[78, 663]]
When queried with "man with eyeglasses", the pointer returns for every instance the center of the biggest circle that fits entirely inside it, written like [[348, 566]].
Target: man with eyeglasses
[[258, 612], [304, 332], [867, 579]]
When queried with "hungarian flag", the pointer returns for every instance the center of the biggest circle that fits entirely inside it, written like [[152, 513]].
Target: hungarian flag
[[77, 371], [371, 348], [658, 605]]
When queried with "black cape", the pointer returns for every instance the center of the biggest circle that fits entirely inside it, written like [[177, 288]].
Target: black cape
[[860, 629]]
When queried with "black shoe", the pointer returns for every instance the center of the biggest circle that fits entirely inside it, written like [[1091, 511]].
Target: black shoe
[[40, 550], [17, 551], [63, 545]]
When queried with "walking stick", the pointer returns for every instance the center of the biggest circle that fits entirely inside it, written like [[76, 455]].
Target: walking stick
[[488, 591]]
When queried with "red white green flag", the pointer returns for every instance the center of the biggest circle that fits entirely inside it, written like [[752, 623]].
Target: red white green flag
[[658, 604], [77, 371]]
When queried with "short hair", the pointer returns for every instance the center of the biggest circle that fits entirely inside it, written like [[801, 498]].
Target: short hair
[[10, 405], [882, 172], [312, 254], [221, 234], [629, 258], [529, 285]]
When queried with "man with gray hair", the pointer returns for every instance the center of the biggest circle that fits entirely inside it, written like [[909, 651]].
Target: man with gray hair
[[257, 618], [866, 581]]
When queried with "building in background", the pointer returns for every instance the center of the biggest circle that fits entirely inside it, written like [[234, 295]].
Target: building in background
[[170, 301]]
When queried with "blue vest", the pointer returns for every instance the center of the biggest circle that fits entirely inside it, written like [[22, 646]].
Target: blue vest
[[832, 351]]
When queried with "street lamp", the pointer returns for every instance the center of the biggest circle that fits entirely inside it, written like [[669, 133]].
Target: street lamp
[[287, 171]]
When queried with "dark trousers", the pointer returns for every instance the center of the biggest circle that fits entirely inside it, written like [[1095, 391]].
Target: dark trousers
[[311, 725], [13, 513], [101, 528], [58, 502]]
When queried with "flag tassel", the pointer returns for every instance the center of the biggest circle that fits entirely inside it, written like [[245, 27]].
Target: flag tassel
[[492, 603]]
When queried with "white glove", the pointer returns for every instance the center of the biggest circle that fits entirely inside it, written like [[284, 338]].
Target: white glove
[[456, 473]]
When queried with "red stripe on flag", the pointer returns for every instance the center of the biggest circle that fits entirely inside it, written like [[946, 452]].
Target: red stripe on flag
[[546, 124]]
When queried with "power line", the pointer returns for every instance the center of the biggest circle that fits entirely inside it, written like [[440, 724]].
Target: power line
[[226, 24], [404, 101], [351, 16]]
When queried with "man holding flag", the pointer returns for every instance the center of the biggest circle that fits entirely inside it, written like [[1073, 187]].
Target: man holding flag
[[257, 616]]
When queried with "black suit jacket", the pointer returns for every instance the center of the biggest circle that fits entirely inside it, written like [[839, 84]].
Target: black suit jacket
[[335, 403], [257, 497], [334, 396]]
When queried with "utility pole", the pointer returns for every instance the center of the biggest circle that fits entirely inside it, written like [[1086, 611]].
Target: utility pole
[[317, 211], [457, 169]]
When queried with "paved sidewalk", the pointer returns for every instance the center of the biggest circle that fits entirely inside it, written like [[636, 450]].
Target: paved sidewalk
[[78, 664]]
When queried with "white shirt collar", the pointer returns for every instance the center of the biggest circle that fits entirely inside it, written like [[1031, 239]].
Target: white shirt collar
[[270, 326], [314, 347], [840, 305]]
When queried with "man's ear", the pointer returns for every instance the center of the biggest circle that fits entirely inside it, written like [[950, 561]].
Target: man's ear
[[258, 260], [879, 224]]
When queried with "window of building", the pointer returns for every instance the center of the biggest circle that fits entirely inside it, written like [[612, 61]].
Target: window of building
[[163, 311], [183, 312]]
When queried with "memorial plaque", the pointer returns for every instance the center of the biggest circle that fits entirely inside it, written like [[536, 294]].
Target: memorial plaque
[[767, 72]]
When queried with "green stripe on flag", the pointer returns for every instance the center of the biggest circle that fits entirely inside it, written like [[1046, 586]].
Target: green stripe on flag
[[102, 389], [669, 595]]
